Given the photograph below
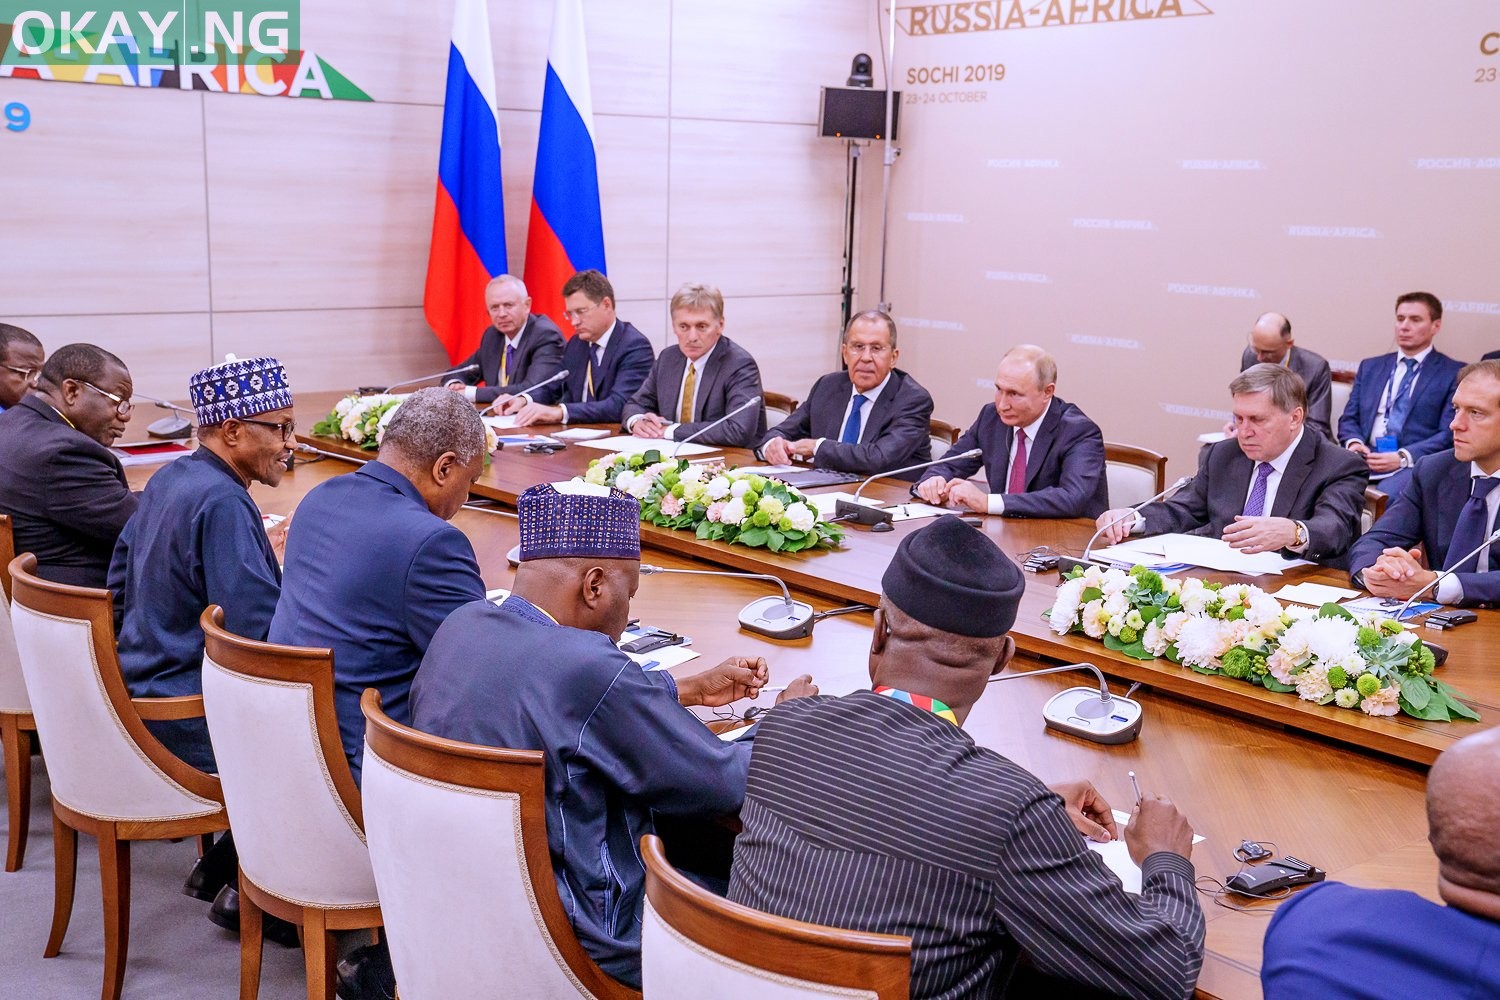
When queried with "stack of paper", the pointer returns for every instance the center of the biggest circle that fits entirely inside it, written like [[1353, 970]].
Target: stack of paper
[[630, 445], [1196, 550]]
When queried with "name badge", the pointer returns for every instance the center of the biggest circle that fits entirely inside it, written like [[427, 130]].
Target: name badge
[[1386, 442]]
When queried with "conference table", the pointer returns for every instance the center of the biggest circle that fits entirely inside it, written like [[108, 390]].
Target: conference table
[[1240, 762]]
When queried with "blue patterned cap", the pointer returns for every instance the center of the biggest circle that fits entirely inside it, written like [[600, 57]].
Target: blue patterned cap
[[579, 521], [239, 389]]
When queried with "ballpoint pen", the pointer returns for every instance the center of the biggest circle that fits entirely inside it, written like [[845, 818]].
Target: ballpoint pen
[[1136, 785]]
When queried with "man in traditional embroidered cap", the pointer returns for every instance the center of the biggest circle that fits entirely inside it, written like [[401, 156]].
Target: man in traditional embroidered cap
[[541, 672], [877, 812], [198, 539]]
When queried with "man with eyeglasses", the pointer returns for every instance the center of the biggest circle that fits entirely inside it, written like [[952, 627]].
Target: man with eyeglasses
[[517, 349], [198, 539], [606, 360], [63, 487], [872, 417], [21, 358]]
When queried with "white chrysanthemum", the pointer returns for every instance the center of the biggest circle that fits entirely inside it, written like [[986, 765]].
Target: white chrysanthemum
[[1095, 622], [1065, 606], [1115, 584], [1234, 594], [342, 406], [733, 512], [692, 474], [1298, 612], [802, 517], [1312, 683], [1116, 606], [1405, 638], [1195, 600], [1263, 610], [718, 487], [739, 488], [1202, 641], [1331, 640], [1346, 697], [1154, 640]]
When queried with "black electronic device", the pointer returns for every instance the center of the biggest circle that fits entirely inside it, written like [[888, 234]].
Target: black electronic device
[[1251, 851], [648, 643], [1452, 618], [1273, 876], [856, 113]]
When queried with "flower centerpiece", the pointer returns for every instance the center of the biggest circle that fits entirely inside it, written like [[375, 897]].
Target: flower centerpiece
[[719, 504], [1326, 655], [362, 420]]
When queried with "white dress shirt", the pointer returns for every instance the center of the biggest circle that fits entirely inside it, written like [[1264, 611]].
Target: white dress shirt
[[1449, 590], [864, 414], [997, 500], [1388, 395]]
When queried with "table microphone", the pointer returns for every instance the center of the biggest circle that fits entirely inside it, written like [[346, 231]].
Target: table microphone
[[1101, 717], [179, 425], [774, 617], [363, 390], [307, 449], [752, 401], [546, 381], [1493, 537], [875, 518], [1066, 564]]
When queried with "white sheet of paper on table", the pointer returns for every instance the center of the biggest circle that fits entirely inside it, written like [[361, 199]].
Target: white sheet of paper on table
[[1315, 594], [499, 422], [581, 434], [825, 503], [1117, 856], [1215, 553], [630, 445], [663, 658], [913, 511], [769, 470]]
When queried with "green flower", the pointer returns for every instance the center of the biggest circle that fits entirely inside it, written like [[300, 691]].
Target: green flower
[[785, 524], [751, 499], [1235, 613], [758, 483], [772, 507], [1421, 660], [1367, 639], [1390, 626], [761, 519], [1367, 685], [1236, 663], [679, 490], [1337, 676], [1129, 635]]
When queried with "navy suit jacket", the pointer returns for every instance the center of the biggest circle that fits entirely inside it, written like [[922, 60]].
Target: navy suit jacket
[[540, 355], [729, 379], [1426, 429], [65, 492], [1426, 512], [1323, 486], [895, 433], [1318, 378], [1064, 466], [627, 361], [371, 573]]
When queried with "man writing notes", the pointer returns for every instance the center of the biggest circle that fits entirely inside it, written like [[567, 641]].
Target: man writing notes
[[63, 488], [516, 350], [374, 566], [1401, 403], [1449, 507], [699, 380], [876, 811], [1043, 457], [1271, 344], [541, 672], [607, 360], [1274, 486], [21, 359], [1336, 942], [870, 418]]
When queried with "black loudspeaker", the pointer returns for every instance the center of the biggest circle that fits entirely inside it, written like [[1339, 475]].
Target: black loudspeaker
[[856, 113]]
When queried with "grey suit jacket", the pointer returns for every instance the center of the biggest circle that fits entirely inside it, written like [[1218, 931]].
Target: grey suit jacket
[[730, 377], [1319, 379]]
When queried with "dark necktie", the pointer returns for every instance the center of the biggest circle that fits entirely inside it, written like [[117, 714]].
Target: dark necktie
[[1395, 420], [1017, 482], [1473, 525], [588, 382], [1256, 505], [507, 364], [851, 426]]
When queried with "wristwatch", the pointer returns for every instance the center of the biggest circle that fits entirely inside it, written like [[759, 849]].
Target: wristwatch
[[1302, 537]]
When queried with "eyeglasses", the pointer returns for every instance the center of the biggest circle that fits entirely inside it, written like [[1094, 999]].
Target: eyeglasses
[[574, 315], [123, 406], [31, 375], [286, 427], [873, 350]]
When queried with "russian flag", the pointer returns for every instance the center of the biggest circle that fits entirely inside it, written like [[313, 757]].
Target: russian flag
[[468, 225], [566, 233]]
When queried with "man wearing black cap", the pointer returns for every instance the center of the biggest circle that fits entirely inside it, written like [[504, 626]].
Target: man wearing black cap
[[877, 812]]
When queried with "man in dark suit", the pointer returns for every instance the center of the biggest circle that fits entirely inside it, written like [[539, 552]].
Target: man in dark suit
[[1448, 507], [21, 358], [607, 359], [699, 380], [373, 566], [63, 487], [1042, 455], [1401, 403], [876, 811], [1275, 486], [1271, 344], [870, 418], [518, 349]]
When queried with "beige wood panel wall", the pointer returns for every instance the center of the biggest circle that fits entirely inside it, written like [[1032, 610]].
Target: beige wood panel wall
[[174, 227]]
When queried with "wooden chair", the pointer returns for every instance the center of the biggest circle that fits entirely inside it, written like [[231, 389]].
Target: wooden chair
[[1375, 502], [458, 840], [944, 436], [290, 795], [110, 777], [729, 951], [1343, 385], [16, 721], [779, 406], [1134, 474]]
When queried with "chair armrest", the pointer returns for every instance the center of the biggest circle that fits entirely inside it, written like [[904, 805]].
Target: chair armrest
[[188, 706]]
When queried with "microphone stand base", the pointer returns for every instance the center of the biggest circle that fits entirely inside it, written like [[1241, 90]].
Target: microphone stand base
[[882, 526], [1069, 712], [770, 617], [1066, 564]]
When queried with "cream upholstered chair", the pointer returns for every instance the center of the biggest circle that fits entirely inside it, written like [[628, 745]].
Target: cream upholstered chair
[[1339, 392], [110, 777], [458, 838], [942, 436], [1375, 502], [1134, 474], [16, 721], [290, 795], [779, 406], [732, 952]]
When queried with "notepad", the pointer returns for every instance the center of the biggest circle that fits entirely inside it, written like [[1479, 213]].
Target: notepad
[[1117, 856]]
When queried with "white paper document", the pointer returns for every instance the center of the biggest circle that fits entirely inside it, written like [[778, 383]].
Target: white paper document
[[770, 470], [827, 502], [662, 658], [581, 433], [1196, 550], [500, 422], [1315, 594], [1117, 856], [631, 445], [914, 510]]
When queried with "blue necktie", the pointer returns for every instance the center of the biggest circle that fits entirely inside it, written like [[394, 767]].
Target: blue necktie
[[1256, 505], [1401, 404], [1473, 525], [508, 365], [851, 426]]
